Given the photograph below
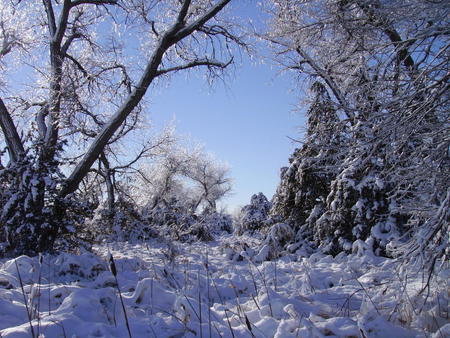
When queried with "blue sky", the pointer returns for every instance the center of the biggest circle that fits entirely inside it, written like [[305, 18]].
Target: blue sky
[[245, 122]]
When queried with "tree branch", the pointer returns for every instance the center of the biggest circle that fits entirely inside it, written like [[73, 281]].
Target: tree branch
[[40, 119], [329, 81], [62, 24], [93, 2], [401, 46], [196, 63], [183, 12], [13, 141], [77, 64], [201, 21], [68, 42], [170, 38], [50, 17]]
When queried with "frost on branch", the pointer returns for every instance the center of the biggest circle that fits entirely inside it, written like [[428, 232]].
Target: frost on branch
[[374, 163], [96, 61]]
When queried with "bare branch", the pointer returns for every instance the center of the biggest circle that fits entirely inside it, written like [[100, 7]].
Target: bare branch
[[93, 2], [51, 21], [201, 21], [68, 42], [401, 46], [196, 63], [183, 12], [62, 24], [171, 37], [77, 64], [329, 81]]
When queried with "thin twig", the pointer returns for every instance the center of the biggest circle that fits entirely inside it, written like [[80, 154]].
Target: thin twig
[[25, 299], [112, 266]]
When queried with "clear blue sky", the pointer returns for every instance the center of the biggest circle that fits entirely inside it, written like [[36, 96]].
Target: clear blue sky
[[245, 122]]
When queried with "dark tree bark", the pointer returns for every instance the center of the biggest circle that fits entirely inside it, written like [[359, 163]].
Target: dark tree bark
[[109, 183], [13, 141]]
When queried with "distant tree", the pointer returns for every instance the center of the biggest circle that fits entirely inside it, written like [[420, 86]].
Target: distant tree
[[385, 67], [211, 181], [178, 193], [190, 176], [85, 68]]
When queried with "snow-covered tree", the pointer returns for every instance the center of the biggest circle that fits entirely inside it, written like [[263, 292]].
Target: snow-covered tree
[[187, 174], [384, 65], [254, 216], [178, 191], [305, 184], [85, 67], [210, 179]]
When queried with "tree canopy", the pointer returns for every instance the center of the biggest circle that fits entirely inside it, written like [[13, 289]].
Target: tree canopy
[[85, 68]]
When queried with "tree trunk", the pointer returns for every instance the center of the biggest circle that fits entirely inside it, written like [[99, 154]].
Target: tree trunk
[[109, 183], [13, 141]]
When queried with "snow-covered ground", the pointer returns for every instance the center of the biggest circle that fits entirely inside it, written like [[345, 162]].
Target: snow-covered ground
[[213, 290]]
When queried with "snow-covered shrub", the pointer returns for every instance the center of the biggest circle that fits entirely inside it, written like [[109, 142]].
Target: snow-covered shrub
[[426, 243], [358, 207], [276, 241], [201, 227], [254, 216], [238, 248], [171, 219], [216, 221], [74, 267], [34, 218], [124, 223]]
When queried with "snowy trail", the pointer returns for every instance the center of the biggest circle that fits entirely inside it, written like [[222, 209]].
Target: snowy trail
[[209, 289]]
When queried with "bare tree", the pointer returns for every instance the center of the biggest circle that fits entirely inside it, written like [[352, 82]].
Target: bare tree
[[83, 85], [188, 175], [210, 178]]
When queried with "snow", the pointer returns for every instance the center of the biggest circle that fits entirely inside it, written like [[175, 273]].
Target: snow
[[185, 290]]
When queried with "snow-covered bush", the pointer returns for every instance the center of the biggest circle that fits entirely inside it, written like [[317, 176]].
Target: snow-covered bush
[[171, 220], [254, 216], [216, 221], [276, 241], [177, 221], [203, 227], [174, 220], [358, 207], [32, 221], [124, 223], [426, 242]]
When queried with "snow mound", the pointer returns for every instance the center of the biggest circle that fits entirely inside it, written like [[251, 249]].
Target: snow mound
[[171, 290]]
